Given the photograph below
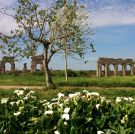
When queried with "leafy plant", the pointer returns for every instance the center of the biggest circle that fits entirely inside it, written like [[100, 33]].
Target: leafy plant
[[77, 113]]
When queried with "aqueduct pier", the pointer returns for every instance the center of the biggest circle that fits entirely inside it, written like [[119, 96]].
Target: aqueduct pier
[[103, 66]]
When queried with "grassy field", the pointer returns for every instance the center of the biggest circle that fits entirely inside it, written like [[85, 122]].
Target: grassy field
[[35, 80], [110, 93], [110, 87]]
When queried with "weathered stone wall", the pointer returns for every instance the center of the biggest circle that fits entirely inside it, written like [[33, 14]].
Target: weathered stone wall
[[106, 62], [37, 60], [25, 67], [5, 60]]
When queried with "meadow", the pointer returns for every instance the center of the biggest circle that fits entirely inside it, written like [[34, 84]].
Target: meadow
[[74, 80], [110, 87], [85, 104]]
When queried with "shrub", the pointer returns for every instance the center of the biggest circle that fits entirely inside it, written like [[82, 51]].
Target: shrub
[[61, 73], [76, 113]]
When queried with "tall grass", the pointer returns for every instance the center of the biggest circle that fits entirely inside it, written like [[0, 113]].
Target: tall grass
[[110, 93], [118, 81], [39, 80]]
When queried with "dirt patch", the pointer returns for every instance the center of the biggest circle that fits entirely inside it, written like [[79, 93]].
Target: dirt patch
[[17, 87]]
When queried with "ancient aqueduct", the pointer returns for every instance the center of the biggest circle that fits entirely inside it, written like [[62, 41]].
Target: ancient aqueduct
[[103, 65], [35, 60]]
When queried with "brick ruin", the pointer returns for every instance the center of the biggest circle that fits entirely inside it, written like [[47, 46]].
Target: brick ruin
[[35, 61], [103, 66], [25, 67], [5, 60]]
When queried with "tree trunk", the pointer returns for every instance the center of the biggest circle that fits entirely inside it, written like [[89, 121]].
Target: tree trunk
[[66, 72], [48, 77]]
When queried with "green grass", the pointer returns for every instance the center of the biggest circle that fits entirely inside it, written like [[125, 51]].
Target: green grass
[[107, 85], [27, 79], [101, 82], [110, 93], [35, 80]]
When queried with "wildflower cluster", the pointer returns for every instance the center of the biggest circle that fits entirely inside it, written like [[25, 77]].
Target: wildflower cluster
[[76, 113]]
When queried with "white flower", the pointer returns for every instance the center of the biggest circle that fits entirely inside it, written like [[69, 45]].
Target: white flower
[[43, 101], [85, 91], [47, 103], [56, 132], [19, 102], [100, 132], [60, 95], [12, 103], [33, 97], [19, 92], [50, 106], [95, 93], [17, 113], [25, 88], [74, 95], [108, 101], [65, 123], [125, 98], [48, 112], [61, 105], [4, 100], [131, 99], [54, 99], [92, 94], [88, 95], [97, 106], [32, 92], [71, 95], [66, 110], [65, 116], [77, 93], [124, 119], [118, 99], [26, 98], [29, 94], [102, 99]]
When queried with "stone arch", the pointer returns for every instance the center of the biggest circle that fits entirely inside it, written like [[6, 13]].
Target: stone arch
[[25, 67], [111, 69], [119, 66], [102, 70], [128, 69], [9, 60], [120, 69], [38, 67], [7, 67], [35, 61]]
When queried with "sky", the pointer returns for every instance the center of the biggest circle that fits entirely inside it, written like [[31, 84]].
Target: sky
[[113, 22]]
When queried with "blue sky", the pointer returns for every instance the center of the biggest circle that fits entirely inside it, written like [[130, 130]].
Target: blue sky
[[114, 24]]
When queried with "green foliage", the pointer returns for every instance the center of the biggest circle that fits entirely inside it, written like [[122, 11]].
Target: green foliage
[[49, 26], [60, 73], [77, 113]]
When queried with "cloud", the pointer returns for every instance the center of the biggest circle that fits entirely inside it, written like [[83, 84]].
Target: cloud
[[113, 14], [6, 3], [101, 13], [7, 23]]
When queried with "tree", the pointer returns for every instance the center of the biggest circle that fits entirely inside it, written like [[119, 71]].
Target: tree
[[76, 44], [39, 26]]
